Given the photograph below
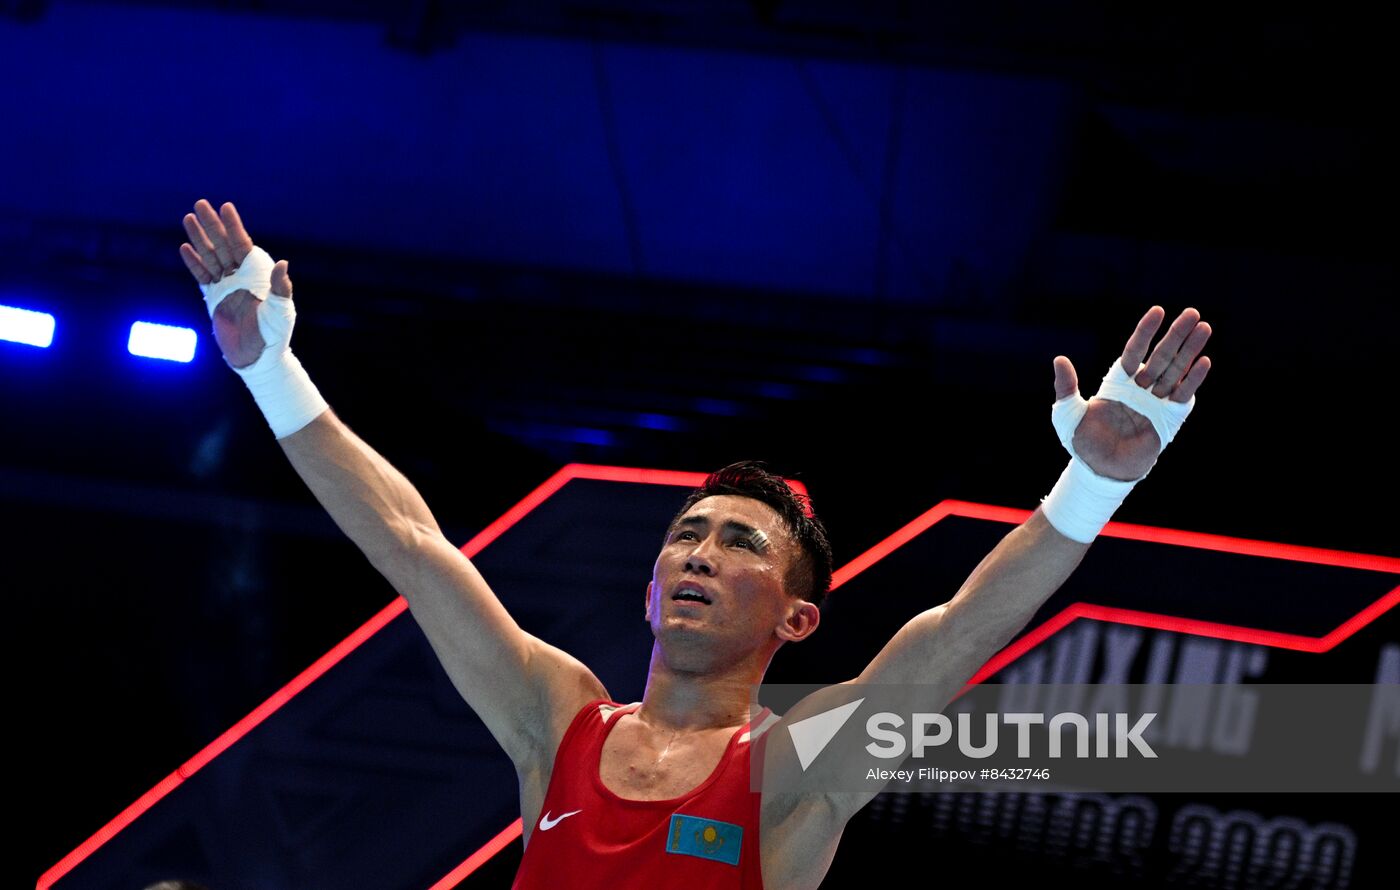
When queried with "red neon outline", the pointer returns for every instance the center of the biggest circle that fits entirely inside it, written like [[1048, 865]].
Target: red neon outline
[[479, 858], [1151, 534], [900, 537]]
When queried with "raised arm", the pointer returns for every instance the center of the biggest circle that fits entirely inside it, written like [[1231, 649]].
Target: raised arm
[[522, 688], [1112, 447], [1114, 440]]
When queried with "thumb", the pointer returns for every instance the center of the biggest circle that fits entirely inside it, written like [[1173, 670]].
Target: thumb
[[281, 281], [1066, 381]]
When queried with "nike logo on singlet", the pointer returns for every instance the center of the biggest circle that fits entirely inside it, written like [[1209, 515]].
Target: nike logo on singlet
[[547, 823]]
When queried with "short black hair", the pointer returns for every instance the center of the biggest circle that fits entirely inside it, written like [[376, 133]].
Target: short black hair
[[810, 576]]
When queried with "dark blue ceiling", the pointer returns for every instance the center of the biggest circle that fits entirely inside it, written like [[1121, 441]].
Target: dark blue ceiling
[[851, 179]]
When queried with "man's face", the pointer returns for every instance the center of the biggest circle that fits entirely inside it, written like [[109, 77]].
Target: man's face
[[733, 553]]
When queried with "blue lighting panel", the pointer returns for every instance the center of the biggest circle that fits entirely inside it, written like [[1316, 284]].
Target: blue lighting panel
[[659, 422], [26, 326], [161, 341]]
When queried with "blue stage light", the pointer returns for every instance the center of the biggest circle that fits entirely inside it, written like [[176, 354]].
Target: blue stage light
[[161, 341], [26, 326], [659, 422]]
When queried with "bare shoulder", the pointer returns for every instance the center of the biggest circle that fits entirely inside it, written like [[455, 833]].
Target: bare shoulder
[[803, 815], [798, 836], [564, 685], [567, 684]]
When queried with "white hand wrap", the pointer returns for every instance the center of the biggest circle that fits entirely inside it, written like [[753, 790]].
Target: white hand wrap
[[254, 276], [279, 384], [1082, 501]]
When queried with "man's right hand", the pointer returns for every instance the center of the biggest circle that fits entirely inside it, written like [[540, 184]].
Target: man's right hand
[[525, 690], [218, 245]]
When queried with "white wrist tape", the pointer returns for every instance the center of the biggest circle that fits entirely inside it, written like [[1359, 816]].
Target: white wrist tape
[[279, 384], [1082, 501]]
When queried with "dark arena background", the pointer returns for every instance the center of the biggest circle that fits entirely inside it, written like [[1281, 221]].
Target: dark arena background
[[558, 260]]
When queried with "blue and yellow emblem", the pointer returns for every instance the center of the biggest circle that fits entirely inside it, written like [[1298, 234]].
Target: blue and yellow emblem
[[706, 838]]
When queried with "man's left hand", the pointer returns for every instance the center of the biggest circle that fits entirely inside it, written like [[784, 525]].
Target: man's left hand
[[1113, 439]]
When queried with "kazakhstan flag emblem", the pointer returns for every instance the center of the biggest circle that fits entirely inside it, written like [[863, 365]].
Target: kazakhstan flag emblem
[[706, 838]]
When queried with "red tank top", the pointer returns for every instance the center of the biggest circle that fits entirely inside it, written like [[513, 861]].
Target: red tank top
[[587, 836]]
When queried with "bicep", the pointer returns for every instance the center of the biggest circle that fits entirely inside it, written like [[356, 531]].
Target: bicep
[[920, 669], [917, 653], [516, 683]]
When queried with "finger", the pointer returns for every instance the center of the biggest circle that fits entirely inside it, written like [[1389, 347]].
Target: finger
[[1185, 356], [239, 241], [281, 281], [1187, 388], [1137, 344], [192, 263], [218, 236], [1066, 380], [1167, 348], [202, 246]]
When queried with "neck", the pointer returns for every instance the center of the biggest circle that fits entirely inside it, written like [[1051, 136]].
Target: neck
[[680, 700]]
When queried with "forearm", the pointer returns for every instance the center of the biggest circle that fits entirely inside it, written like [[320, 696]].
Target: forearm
[[373, 503], [1113, 441], [1003, 593]]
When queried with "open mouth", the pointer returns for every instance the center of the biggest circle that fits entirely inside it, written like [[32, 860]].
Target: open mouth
[[690, 596]]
